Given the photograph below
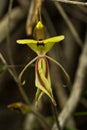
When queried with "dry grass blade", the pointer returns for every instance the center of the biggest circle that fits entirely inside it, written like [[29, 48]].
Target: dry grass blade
[[69, 24], [17, 15], [72, 2], [32, 15], [77, 88]]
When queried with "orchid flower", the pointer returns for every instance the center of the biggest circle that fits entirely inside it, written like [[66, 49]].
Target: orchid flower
[[41, 46]]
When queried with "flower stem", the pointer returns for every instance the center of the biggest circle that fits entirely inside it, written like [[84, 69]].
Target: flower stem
[[55, 113]]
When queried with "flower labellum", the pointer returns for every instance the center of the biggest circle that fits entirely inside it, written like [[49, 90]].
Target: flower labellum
[[42, 81]]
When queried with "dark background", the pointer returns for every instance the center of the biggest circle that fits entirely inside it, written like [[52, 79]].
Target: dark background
[[66, 52]]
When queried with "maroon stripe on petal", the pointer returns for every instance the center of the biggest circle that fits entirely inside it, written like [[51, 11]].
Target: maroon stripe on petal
[[37, 72], [47, 68]]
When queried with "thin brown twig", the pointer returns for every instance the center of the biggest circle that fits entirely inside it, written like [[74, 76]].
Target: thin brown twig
[[2, 7], [59, 89], [15, 79], [69, 24], [72, 2], [8, 37], [39, 117], [78, 13], [83, 9], [55, 114], [29, 23], [36, 114], [16, 15], [5, 63], [24, 3], [84, 102], [77, 88], [49, 23], [32, 15]]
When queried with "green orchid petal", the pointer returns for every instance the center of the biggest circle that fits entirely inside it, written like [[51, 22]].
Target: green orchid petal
[[26, 41], [42, 82], [49, 42], [39, 94], [38, 85], [33, 44], [30, 42], [42, 46]]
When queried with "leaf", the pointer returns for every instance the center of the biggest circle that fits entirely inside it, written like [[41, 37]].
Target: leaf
[[20, 107]]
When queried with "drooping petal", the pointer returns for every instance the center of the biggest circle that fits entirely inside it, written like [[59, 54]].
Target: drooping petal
[[43, 78], [39, 94]]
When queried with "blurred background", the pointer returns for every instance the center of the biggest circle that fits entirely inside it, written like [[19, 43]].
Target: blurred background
[[17, 20]]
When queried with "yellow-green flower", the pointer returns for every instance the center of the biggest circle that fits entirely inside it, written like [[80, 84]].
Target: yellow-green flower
[[41, 46]]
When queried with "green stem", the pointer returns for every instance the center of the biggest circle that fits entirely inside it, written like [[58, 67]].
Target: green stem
[[55, 114]]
